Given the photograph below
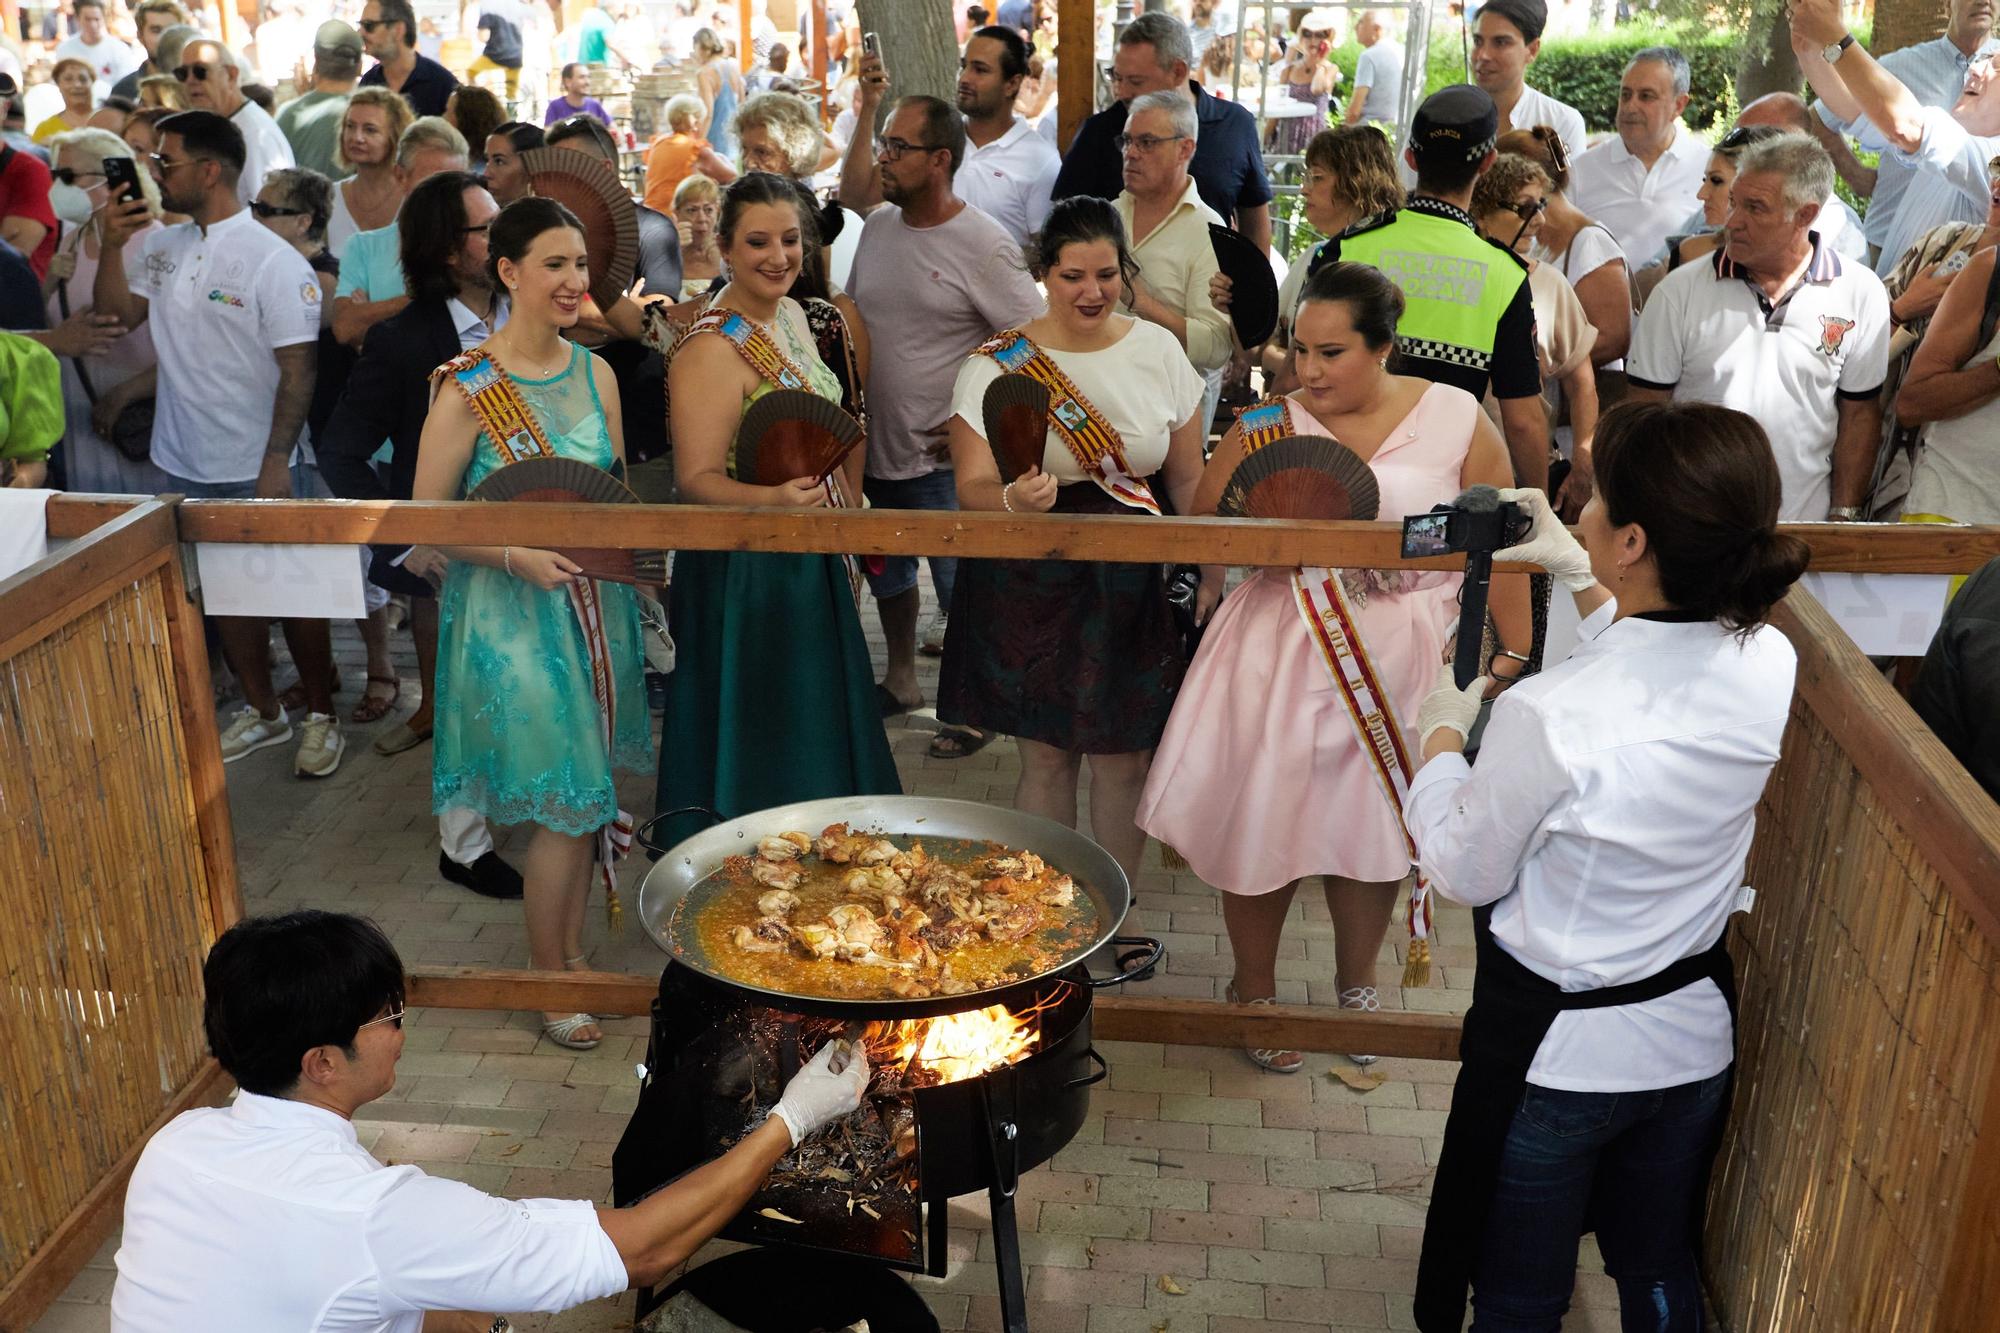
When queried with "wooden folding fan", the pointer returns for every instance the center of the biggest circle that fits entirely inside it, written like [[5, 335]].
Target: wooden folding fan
[[1016, 413], [1301, 476], [788, 434], [569, 481], [589, 187]]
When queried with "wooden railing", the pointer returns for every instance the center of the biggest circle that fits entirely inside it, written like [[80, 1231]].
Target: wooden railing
[[117, 872]]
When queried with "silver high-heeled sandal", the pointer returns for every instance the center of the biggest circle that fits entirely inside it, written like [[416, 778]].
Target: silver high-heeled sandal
[[1277, 1061], [1365, 999]]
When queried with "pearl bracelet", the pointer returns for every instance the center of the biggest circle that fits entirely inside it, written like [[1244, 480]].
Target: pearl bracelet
[[507, 559], [1006, 503]]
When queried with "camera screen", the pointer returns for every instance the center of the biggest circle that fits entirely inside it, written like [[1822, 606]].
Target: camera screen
[[1426, 534]]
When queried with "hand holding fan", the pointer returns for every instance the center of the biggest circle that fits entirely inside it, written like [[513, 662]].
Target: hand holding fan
[[589, 187], [1301, 476], [788, 434], [1016, 417], [569, 481]]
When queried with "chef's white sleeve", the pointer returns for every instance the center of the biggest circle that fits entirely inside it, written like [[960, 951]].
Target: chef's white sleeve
[[1475, 826]]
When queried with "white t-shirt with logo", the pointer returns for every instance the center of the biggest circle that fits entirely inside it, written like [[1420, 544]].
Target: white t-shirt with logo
[[220, 303], [1711, 337], [110, 60]]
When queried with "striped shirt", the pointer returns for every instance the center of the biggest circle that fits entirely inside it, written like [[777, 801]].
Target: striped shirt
[[1934, 72]]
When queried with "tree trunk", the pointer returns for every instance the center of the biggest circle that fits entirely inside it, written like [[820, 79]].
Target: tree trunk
[[1768, 65], [1900, 23], [918, 44]]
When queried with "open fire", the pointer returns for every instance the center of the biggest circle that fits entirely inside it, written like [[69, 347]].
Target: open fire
[[953, 1047]]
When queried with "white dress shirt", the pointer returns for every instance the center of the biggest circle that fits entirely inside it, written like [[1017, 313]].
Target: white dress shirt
[[1011, 179], [268, 1215], [1608, 820], [1538, 108], [1638, 204]]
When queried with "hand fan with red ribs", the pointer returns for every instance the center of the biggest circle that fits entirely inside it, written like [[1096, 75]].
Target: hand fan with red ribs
[[588, 187], [569, 481], [788, 434], [1016, 417], [1301, 476]]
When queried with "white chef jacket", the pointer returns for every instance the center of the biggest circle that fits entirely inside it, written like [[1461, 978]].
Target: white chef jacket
[[1608, 821], [267, 1215]]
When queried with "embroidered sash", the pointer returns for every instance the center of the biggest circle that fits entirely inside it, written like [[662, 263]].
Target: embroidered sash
[[518, 434], [1322, 600], [762, 352], [1075, 419]]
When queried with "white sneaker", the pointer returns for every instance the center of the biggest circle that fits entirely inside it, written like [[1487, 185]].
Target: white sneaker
[[932, 644], [320, 751], [253, 731]]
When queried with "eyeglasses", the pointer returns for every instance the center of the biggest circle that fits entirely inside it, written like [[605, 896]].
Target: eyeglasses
[[893, 149], [197, 71], [264, 210], [1145, 143], [370, 25], [396, 1018], [70, 175], [161, 163], [474, 230]]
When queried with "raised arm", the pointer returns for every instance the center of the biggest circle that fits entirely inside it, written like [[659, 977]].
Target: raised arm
[[1872, 91], [111, 292], [860, 182]]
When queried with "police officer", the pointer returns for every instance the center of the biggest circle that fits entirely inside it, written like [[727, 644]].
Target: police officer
[[1468, 319]]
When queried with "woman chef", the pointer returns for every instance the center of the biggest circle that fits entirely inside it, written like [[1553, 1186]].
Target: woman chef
[[1602, 840]]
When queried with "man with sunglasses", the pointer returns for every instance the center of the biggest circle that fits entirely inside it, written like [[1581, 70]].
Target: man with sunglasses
[[269, 1214], [934, 278], [211, 81], [389, 31]]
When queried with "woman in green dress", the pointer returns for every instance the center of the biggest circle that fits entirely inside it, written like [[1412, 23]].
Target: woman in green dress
[[772, 699], [520, 735]]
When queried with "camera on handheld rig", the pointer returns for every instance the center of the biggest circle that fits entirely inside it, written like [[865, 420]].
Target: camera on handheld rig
[[1476, 524]]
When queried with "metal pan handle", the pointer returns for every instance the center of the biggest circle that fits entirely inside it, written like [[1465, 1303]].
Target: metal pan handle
[[1088, 1079], [1135, 964], [641, 834]]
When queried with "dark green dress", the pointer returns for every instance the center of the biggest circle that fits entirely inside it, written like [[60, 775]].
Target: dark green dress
[[772, 697]]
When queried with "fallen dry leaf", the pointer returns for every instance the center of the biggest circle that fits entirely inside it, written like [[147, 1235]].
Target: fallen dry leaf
[[1090, 1249], [777, 1216], [509, 1152], [1163, 1326], [1357, 1078], [1171, 1287]]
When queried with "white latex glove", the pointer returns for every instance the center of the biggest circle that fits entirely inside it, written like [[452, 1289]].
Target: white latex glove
[[816, 1096], [1449, 708], [1549, 543]]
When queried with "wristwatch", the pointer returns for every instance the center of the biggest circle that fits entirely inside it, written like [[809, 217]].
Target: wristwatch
[[1833, 53], [1844, 514]]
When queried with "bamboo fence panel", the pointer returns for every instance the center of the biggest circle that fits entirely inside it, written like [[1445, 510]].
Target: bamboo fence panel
[[1865, 1058], [107, 908]]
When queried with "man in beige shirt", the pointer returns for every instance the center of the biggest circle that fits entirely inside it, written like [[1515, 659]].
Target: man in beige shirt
[[1167, 225]]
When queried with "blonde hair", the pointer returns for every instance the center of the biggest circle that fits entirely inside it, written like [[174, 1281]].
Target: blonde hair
[[161, 92], [790, 123], [100, 144], [696, 189], [395, 111], [686, 110]]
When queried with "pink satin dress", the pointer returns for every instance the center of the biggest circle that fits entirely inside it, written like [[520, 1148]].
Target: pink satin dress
[[1260, 778]]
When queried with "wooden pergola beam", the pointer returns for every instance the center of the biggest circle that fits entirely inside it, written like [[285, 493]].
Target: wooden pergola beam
[[1076, 67]]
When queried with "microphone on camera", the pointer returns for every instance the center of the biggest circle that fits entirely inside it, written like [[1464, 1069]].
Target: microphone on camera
[[1472, 595]]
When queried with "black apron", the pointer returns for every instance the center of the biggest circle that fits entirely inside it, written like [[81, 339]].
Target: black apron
[[1512, 1010]]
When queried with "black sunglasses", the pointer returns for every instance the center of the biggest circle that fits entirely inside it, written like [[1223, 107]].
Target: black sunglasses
[[197, 71], [1733, 140], [70, 175], [264, 210], [370, 25]]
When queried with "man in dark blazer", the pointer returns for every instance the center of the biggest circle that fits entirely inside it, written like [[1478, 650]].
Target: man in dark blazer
[[442, 231]]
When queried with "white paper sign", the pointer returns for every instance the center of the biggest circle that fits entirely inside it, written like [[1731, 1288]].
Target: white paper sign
[[1887, 615], [312, 582]]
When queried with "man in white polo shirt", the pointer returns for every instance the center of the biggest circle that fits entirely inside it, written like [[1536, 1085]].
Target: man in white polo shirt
[[269, 1215], [211, 80], [1777, 326], [1505, 41], [1009, 170], [235, 315], [1644, 181]]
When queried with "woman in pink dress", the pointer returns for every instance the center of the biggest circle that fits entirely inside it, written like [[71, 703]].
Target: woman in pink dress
[[1261, 779]]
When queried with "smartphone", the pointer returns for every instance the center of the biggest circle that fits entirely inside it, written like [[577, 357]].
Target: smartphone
[[1426, 535], [871, 44], [1954, 264], [121, 179]]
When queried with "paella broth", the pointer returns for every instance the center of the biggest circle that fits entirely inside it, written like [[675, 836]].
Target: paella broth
[[728, 899]]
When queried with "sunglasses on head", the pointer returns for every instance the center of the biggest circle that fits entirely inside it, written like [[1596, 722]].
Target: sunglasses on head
[[1733, 140], [197, 71], [264, 210]]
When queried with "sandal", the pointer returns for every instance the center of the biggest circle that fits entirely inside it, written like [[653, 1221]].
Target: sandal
[[1277, 1061], [372, 707], [293, 697], [562, 1031], [890, 705], [1364, 999], [958, 742]]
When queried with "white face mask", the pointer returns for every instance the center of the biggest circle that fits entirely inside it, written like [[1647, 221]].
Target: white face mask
[[71, 203]]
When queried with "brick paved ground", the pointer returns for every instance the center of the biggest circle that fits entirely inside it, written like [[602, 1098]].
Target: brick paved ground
[[1275, 1202]]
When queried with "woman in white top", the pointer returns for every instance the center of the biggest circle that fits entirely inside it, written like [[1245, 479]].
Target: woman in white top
[[1602, 839], [1582, 250], [370, 128], [1951, 388]]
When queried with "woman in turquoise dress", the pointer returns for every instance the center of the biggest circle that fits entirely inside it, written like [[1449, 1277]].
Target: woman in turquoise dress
[[772, 698], [520, 736]]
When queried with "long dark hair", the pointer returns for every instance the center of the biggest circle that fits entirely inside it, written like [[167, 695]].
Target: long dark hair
[[430, 228], [1702, 482], [1080, 220], [515, 230]]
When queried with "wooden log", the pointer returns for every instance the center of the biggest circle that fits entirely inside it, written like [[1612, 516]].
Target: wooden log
[[1879, 548], [1114, 1017], [55, 1265]]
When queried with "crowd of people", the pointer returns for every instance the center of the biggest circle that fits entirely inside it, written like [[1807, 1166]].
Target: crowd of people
[[1675, 343]]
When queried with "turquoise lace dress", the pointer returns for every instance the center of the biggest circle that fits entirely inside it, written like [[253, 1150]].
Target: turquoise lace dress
[[517, 736]]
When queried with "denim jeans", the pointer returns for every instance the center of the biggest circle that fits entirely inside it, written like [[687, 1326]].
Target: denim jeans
[[1640, 1155], [933, 490]]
